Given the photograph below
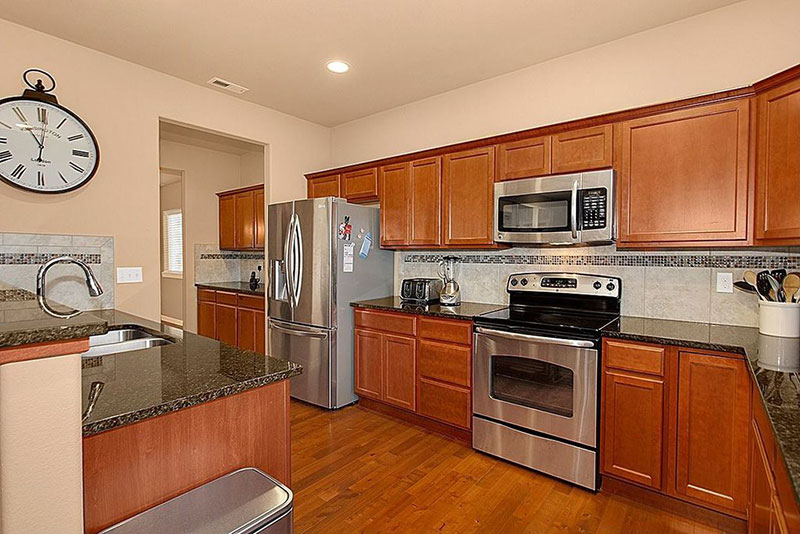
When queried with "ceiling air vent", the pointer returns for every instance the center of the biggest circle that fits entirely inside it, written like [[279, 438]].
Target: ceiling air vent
[[228, 86]]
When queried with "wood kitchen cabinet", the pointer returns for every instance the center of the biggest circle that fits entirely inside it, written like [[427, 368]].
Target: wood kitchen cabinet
[[324, 186], [395, 209], [422, 365], [234, 318], [684, 177], [241, 219], [675, 421], [524, 159], [410, 203], [360, 186], [583, 150], [468, 197], [778, 166]]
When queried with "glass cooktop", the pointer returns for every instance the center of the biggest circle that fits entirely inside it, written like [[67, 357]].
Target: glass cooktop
[[548, 319]]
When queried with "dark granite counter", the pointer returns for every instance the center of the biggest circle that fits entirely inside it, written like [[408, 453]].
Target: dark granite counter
[[151, 382], [23, 322], [236, 287], [774, 364], [467, 310]]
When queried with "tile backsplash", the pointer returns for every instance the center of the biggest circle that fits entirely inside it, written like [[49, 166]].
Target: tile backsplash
[[214, 265], [21, 255], [665, 285]]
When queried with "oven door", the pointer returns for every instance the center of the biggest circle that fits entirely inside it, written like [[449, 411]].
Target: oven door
[[544, 384], [538, 210]]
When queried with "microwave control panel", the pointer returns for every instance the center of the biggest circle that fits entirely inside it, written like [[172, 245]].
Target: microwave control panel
[[593, 208]]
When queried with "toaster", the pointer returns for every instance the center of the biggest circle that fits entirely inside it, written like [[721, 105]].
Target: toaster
[[420, 290]]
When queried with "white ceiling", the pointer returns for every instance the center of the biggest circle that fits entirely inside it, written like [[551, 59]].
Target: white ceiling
[[400, 50]]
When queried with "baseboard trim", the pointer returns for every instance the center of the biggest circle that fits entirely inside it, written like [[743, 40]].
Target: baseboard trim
[[171, 321], [458, 434], [718, 520]]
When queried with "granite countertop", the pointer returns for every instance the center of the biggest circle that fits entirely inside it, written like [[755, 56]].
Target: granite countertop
[[236, 287], [773, 361], [150, 382], [467, 310], [23, 322]]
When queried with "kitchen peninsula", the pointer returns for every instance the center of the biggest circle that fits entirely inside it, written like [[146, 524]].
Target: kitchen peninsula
[[167, 418]]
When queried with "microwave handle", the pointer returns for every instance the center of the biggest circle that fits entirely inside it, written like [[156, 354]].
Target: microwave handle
[[573, 222]]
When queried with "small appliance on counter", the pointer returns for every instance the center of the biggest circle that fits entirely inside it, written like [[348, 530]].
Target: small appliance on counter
[[450, 294], [420, 290], [255, 280]]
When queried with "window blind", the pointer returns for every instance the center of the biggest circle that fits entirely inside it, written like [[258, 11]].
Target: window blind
[[172, 241]]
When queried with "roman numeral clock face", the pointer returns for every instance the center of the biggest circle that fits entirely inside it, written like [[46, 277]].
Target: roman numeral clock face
[[44, 147]]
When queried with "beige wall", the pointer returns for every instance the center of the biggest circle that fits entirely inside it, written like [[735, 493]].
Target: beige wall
[[205, 172], [252, 168], [722, 49], [122, 103], [171, 288]]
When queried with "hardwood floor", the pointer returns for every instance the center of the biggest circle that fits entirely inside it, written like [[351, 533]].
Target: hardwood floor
[[357, 471]]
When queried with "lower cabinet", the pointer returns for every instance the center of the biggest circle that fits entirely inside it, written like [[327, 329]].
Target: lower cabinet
[[233, 318], [417, 363], [676, 421]]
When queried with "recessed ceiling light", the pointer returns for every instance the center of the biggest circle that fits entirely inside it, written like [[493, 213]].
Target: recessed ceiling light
[[338, 66]]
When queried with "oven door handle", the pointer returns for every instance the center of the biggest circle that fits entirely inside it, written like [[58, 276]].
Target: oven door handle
[[581, 343]]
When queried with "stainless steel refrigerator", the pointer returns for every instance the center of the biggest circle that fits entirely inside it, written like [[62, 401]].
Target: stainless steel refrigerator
[[323, 253]]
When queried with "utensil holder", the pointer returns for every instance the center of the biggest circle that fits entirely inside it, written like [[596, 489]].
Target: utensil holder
[[780, 319]]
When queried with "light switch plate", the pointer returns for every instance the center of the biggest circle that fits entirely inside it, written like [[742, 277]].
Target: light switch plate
[[724, 282], [129, 275]]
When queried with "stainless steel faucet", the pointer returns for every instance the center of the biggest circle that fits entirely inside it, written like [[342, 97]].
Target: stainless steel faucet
[[91, 282]]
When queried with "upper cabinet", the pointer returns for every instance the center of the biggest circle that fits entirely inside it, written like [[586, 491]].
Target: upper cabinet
[[684, 177], [324, 186], [778, 166], [524, 159], [359, 186], [410, 203], [468, 197], [395, 209], [241, 219]]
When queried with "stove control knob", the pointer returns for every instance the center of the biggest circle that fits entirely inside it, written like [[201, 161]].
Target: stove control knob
[[514, 281], [611, 286], [597, 285], [524, 282]]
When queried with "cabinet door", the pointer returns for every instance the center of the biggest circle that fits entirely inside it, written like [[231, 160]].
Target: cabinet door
[[399, 371], [778, 165], [632, 429], [206, 322], [325, 186], [260, 330], [583, 150], [245, 220], [468, 197], [360, 186], [762, 489], [524, 159], [684, 177], [227, 222], [713, 430], [260, 231], [226, 323], [246, 329], [368, 364], [394, 204], [425, 183]]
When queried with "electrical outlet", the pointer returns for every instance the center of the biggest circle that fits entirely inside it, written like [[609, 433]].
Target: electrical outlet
[[129, 275], [724, 282]]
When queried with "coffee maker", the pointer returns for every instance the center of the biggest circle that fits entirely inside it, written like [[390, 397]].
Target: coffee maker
[[449, 295]]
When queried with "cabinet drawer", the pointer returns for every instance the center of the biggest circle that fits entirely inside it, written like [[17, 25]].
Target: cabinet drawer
[[449, 404], [648, 359], [398, 323], [254, 302], [453, 331], [206, 295], [445, 362], [226, 298]]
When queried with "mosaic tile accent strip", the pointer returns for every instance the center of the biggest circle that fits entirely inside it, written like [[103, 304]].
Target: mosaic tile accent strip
[[16, 295], [233, 256], [627, 260], [36, 258]]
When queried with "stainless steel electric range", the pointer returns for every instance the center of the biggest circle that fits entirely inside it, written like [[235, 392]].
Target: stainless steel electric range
[[536, 368]]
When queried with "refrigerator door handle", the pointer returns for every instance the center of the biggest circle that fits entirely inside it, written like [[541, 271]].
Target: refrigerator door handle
[[287, 255], [297, 245]]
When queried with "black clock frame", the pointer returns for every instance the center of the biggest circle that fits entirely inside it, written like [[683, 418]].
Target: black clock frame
[[50, 99]]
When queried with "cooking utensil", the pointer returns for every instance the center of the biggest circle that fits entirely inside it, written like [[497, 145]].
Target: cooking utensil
[[752, 278], [763, 285], [744, 286], [777, 289], [779, 274], [791, 284]]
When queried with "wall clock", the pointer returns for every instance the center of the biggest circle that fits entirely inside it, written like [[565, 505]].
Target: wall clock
[[44, 147]]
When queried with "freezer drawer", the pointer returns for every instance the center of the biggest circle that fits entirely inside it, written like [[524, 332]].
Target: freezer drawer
[[314, 349]]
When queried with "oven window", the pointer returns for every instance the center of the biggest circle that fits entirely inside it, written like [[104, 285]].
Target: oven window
[[541, 212], [532, 383]]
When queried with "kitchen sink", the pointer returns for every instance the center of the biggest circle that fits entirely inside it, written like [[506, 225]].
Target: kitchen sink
[[123, 340]]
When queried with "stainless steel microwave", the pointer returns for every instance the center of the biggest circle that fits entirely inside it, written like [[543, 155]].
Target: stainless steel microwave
[[566, 209]]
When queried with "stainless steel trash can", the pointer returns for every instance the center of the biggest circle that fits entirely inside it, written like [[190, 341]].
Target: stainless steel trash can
[[246, 501]]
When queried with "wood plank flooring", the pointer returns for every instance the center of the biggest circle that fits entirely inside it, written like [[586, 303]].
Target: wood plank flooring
[[357, 471]]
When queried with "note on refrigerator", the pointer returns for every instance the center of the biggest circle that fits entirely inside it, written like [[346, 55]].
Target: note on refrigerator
[[347, 260]]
